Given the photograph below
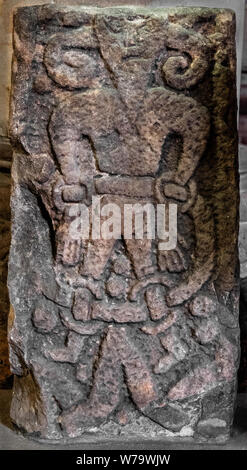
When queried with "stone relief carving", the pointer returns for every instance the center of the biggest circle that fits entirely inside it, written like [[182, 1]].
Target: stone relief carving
[[124, 103]]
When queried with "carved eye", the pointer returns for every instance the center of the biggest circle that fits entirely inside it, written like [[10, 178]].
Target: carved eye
[[78, 58]]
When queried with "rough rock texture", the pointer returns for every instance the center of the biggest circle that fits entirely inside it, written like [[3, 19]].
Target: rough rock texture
[[5, 155], [112, 338], [242, 376], [242, 373]]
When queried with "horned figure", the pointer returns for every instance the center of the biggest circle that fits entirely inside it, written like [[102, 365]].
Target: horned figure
[[126, 130]]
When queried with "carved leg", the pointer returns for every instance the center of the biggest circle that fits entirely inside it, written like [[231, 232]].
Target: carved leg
[[116, 351]]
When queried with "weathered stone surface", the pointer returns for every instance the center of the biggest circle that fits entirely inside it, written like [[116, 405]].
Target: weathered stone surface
[[7, 8], [135, 105], [5, 152], [242, 374]]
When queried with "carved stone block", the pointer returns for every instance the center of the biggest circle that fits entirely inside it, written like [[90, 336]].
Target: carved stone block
[[120, 337]]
